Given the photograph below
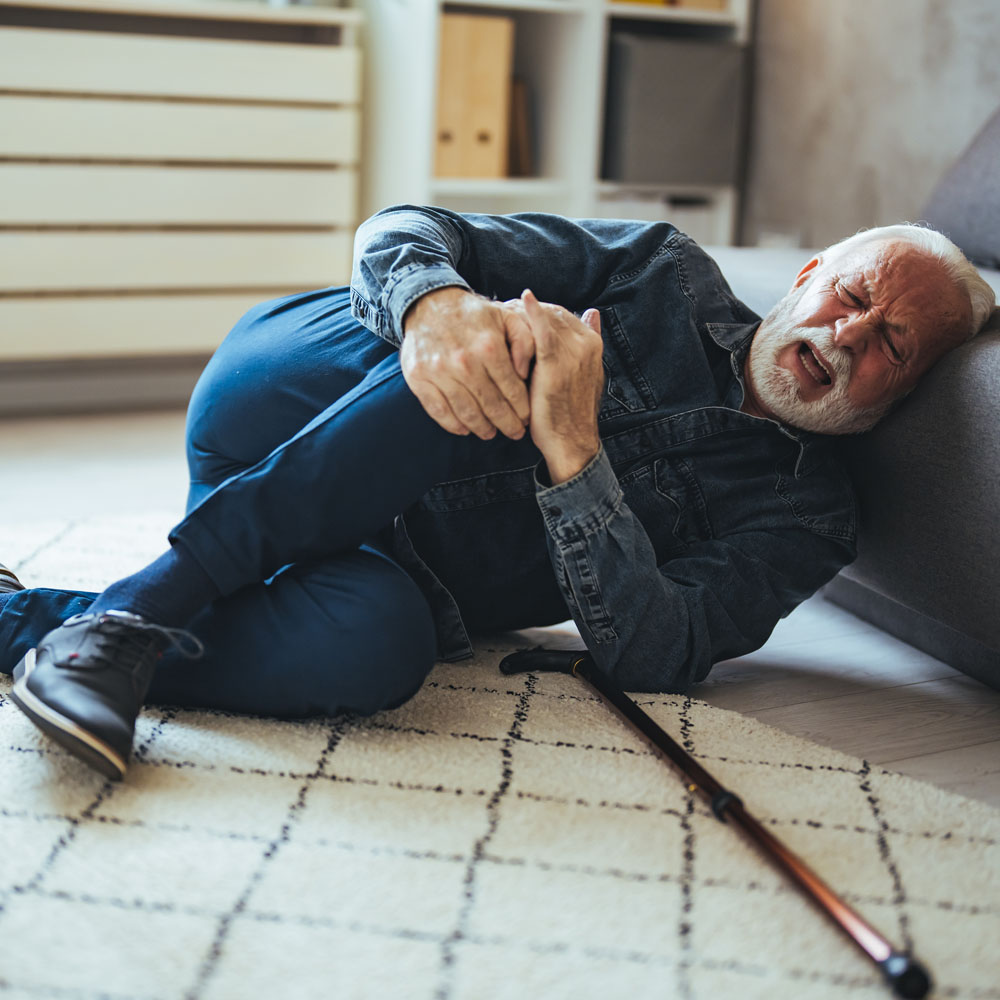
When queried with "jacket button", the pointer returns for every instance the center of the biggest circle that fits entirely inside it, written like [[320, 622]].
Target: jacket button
[[555, 511]]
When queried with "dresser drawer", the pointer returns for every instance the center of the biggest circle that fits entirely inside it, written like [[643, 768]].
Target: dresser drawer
[[47, 262], [71, 194], [88, 128], [94, 62], [131, 326]]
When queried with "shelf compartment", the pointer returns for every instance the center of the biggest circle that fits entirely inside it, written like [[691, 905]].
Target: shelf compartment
[[502, 6], [706, 213], [682, 15], [513, 187]]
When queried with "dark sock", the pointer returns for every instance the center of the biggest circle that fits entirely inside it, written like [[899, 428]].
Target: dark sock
[[169, 591]]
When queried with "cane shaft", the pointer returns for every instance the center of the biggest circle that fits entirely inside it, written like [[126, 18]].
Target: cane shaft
[[852, 923], [849, 920], [659, 737]]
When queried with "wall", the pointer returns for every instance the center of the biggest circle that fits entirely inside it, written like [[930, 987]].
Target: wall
[[859, 107]]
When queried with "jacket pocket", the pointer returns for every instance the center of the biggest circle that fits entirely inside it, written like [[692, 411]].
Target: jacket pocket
[[626, 389], [669, 503]]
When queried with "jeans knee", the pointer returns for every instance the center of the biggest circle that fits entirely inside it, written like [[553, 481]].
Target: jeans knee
[[232, 422], [397, 651], [370, 641]]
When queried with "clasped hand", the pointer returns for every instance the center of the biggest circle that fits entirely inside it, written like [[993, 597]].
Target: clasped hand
[[479, 366]]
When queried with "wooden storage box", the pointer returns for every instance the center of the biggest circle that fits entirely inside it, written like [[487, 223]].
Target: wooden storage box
[[474, 90]]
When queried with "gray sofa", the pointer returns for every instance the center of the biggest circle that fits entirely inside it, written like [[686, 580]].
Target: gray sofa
[[928, 477]]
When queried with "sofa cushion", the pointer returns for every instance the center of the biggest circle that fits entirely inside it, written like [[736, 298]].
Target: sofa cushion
[[965, 205], [759, 276]]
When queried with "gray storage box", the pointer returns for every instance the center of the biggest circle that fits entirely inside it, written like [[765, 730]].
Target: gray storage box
[[674, 109]]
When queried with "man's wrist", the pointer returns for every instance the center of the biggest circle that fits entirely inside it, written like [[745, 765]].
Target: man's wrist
[[590, 498], [566, 464], [434, 302]]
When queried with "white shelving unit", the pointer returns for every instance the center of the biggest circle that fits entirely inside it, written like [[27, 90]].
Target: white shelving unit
[[561, 51]]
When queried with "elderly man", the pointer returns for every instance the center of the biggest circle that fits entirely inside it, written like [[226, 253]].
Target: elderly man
[[625, 444]]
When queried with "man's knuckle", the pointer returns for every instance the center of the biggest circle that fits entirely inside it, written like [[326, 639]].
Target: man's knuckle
[[508, 383], [466, 411], [461, 361], [487, 348], [420, 371], [434, 407], [496, 409], [417, 363]]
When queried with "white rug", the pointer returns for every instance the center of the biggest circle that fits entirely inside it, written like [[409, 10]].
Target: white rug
[[496, 837]]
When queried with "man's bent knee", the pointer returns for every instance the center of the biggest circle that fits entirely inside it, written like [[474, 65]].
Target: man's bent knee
[[376, 645]]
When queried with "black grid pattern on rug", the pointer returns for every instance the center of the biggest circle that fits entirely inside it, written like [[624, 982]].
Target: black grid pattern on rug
[[494, 837]]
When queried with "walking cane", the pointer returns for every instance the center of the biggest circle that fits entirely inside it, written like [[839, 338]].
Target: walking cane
[[907, 977]]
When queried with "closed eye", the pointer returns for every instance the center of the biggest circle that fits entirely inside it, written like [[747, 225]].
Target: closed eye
[[848, 297], [892, 347]]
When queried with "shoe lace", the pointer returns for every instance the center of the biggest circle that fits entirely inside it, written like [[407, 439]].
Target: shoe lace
[[136, 638]]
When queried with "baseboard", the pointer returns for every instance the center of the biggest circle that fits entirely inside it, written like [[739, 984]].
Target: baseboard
[[35, 388], [925, 633]]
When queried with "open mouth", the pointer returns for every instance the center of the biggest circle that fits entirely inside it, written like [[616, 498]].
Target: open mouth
[[813, 365]]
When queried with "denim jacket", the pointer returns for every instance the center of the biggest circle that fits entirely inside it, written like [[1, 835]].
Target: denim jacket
[[694, 529]]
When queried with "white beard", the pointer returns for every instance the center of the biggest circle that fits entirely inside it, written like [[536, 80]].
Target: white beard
[[778, 388]]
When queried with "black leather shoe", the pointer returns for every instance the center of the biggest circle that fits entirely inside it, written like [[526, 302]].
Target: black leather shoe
[[9, 583], [85, 683]]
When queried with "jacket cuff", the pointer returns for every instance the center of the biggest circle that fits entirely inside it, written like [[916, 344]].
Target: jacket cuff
[[409, 283], [582, 505]]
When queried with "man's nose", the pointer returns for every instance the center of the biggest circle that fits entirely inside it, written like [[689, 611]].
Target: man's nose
[[852, 334]]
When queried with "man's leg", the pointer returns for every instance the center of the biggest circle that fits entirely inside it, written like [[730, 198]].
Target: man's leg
[[284, 362], [311, 470], [323, 491], [312, 640]]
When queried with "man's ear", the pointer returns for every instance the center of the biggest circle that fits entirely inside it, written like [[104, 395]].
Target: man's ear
[[806, 272]]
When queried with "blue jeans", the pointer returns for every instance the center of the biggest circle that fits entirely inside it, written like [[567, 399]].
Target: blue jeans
[[303, 443]]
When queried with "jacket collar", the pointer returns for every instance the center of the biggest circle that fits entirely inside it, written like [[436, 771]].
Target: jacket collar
[[733, 337]]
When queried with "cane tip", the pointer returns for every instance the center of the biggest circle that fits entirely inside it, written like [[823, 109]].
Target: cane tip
[[907, 977]]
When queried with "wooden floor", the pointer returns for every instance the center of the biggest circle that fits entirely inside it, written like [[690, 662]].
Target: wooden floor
[[825, 674]]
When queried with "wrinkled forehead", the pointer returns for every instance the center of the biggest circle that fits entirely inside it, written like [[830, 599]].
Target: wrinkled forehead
[[913, 285], [884, 259]]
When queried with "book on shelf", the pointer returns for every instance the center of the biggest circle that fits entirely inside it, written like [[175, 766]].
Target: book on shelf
[[474, 96], [522, 153]]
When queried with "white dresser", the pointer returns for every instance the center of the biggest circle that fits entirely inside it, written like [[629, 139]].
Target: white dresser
[[165, 166]]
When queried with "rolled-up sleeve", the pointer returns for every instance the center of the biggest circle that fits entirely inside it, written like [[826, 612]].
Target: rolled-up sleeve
[[399, 256]]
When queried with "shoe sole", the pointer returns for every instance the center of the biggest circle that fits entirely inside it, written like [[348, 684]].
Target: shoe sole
[[68, 734]]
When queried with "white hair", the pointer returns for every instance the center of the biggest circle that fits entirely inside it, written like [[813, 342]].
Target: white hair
[[938, 246]]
